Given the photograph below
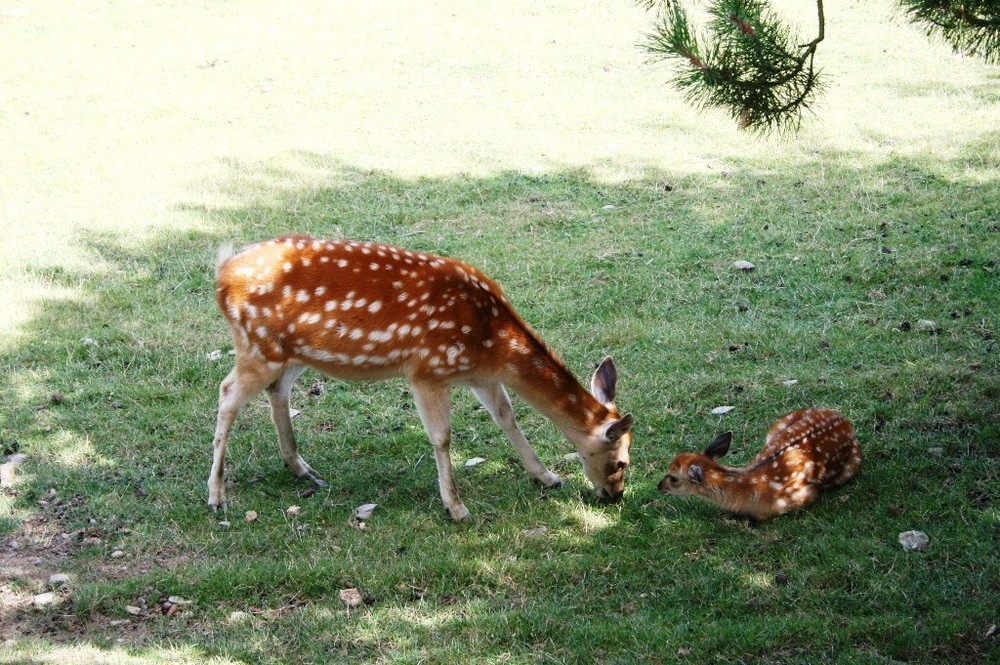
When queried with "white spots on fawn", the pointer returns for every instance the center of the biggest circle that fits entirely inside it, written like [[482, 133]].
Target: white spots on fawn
[[287, 266], [302, 296], [375, 306]]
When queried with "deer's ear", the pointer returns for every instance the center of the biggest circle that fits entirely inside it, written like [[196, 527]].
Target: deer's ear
[[618, 429], [720, 446], [696, 474], [602, 385]]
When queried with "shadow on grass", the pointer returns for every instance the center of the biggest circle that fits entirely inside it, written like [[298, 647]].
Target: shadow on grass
[[112, 396]]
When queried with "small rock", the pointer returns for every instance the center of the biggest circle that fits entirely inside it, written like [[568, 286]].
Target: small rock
[[224, 523], [746, 266], [292, 511], [133, 610], [914, 541], [251, 516], [474, 461], [926, 325], [117, 554], [351, 597], [57, 580], [721, 410], [119, 622], [44, 599], [537, 532], [177, 600]]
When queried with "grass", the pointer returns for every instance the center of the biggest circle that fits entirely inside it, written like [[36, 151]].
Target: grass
[[611, 214]]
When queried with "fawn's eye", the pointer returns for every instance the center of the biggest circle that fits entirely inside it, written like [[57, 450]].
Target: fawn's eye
[[673, 479], [622, 464]]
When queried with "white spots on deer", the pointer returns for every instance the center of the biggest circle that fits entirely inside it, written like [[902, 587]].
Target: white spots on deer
[[804, 452]]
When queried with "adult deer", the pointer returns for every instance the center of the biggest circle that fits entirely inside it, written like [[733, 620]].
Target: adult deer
[[805, 452], [357, 311]]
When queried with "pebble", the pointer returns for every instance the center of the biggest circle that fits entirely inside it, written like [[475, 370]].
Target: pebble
[[133, 610], [44, 599], [57, 580], [744, 265], [117, 554]]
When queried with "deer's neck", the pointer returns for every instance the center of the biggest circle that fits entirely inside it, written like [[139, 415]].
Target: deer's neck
[[730, 488], [537, 374]]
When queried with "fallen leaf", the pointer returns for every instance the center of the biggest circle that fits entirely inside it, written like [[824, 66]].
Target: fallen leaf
[[474, 461], [292, 413], [721, 410], [365, 511], [914, 541], [351, 597], [177, 600]]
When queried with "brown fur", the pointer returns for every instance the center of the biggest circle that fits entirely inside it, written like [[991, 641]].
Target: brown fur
[[362, 311], [805, 452]]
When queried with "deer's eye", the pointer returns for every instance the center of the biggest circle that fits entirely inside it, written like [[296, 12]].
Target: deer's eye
[[673, 479]]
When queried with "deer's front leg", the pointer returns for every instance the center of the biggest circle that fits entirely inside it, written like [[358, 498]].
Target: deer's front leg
[[494, 397], [434, 406]]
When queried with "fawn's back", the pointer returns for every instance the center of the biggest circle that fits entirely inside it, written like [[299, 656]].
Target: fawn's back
[[804, 452]]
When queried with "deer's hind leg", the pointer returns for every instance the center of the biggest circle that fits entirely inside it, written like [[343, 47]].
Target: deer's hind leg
[[277, 395], [243, 382]]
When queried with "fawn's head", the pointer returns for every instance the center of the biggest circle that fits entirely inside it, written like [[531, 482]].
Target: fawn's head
[[605, 449], [687, 471]]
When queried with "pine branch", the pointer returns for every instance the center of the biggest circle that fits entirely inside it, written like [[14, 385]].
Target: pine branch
[[752, 67], [970, 26]]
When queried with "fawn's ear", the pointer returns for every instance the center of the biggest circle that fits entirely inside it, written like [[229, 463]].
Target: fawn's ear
[[696, 474], [602, 385], [720, 446], [618, 429]]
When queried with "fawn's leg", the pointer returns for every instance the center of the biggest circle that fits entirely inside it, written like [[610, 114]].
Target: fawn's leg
[[494, 397], [434, 406], [277, 395]]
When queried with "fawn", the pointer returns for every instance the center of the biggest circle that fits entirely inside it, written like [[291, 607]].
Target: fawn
[[360, 310], [805, 451]]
